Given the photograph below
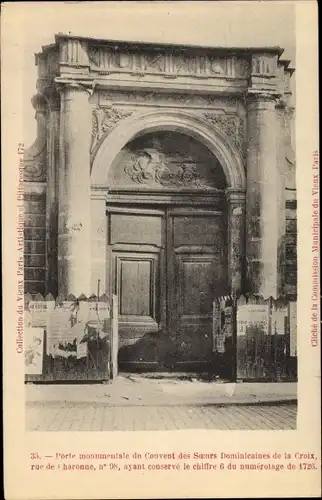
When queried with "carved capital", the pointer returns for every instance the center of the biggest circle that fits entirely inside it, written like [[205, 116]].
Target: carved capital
[[73, 87], [261, 101]]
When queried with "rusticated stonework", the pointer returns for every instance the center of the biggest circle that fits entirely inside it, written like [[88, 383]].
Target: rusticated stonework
[[103, 120], [231, 125]]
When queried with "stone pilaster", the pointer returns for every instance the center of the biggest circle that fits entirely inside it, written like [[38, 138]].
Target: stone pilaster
[[263, 192], [98, 241], [236, 244], [74, 251]]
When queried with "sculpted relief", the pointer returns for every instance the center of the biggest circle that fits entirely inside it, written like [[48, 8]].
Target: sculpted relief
[[150, 166], [167, 160], [168, 63]]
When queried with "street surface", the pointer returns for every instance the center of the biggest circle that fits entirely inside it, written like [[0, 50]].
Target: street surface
[[73, 416]]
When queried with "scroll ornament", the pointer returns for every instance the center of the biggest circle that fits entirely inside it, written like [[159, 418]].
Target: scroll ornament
[[103, 120], [231, 125]]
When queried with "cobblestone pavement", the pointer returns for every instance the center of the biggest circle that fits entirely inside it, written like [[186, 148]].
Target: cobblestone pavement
[[89, 417]]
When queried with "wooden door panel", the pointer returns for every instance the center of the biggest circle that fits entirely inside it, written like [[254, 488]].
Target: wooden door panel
[[196, 286], [135, 228], [135, 283], [138, 289], [196, 230], [193, 317], [168, 266], [194, 343], [197, 274]]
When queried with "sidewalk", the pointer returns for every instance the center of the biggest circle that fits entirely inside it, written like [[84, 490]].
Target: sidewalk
[[138, 390]]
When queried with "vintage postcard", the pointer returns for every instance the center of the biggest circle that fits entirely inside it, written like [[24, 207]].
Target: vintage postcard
[[161, 250]]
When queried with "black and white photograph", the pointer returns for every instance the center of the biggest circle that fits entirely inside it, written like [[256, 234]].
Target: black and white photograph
[[161, 255], [160, 223]]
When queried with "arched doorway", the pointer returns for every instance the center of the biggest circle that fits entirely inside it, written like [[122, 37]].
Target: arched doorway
[[168, 247]]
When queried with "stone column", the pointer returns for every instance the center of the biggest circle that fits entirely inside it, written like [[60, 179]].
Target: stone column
[[262, 205], [236, 242], [52, 195], [281, 151], [74, 252]]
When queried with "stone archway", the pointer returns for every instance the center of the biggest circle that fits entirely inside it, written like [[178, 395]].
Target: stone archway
[[215, 140], [191, 125]]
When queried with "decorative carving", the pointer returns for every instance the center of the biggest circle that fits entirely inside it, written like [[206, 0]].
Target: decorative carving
[[237, 211], [289, 112], [263, 65], [217, 66], [242, 68], [231, 125], [166, 63], [172, 100], [103, 120], [94, 55], [73, 227], [154, 62], [74, 52], [35, 171], [149, 167]]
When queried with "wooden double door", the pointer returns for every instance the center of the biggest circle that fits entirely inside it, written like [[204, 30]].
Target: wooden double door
[[166, 266]]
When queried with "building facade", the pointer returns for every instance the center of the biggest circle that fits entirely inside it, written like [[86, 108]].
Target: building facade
[[166, 173]]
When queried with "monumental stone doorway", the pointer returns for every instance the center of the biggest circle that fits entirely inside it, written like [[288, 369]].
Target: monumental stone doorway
[[167, 255]]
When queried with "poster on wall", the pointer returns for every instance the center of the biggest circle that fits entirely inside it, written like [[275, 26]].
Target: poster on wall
[[218, 326], [228, 326], [60, 338], [34, 350], [38, 311], [252, 315], [98, 311], [278, 321]]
